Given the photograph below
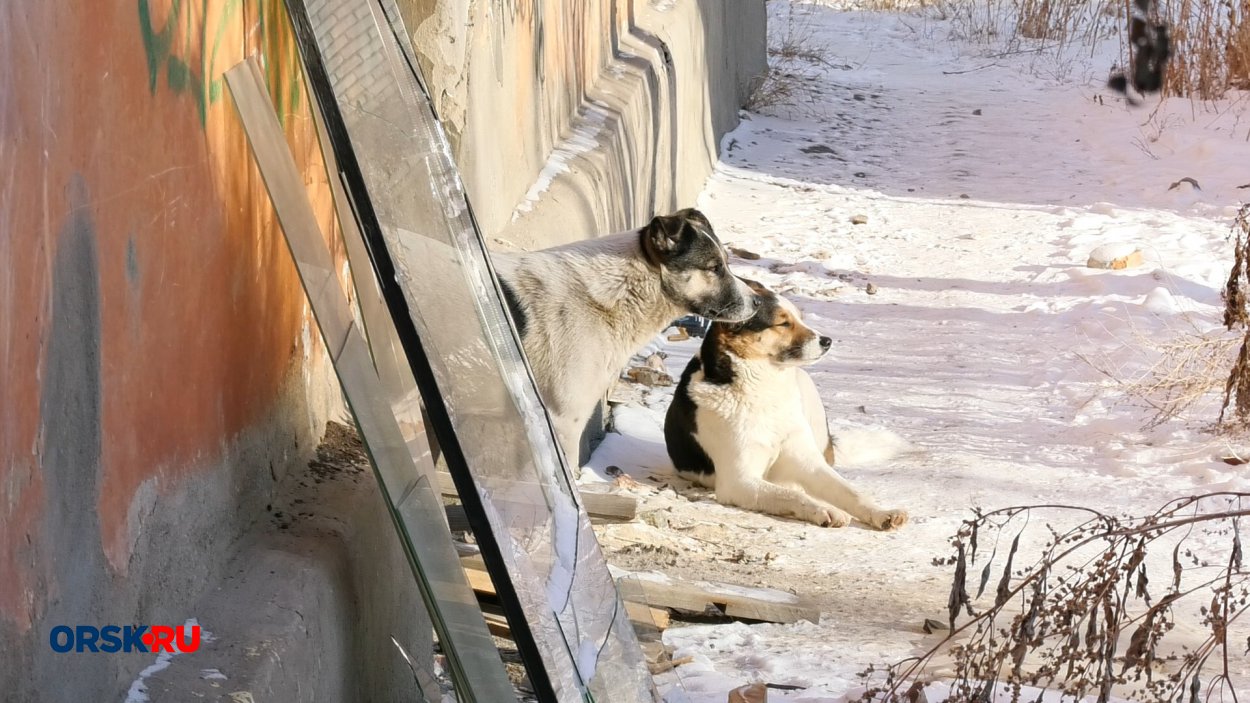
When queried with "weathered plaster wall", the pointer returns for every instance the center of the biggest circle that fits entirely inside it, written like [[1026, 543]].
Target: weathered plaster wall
[[157, 368], [573, 118]]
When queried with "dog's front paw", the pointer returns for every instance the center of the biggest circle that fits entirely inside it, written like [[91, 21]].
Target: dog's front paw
[[889, 519], [830, 517]]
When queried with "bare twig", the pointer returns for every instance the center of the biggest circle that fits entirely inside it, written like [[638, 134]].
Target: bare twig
[[970, 70], [1060, 624]]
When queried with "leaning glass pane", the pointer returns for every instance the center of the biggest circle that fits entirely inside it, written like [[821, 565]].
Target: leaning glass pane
[[477, 670], [437, 279]]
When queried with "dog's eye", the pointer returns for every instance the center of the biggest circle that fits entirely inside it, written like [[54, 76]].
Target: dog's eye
[[718, 269], [785, 324]]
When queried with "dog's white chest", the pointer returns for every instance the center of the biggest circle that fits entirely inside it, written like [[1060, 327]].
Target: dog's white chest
[[763, 414]]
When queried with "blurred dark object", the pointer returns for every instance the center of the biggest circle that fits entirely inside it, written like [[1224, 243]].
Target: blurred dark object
[[694, 325], [1150, 48]]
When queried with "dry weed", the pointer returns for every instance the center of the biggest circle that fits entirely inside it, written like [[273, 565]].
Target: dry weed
[[1211, 46], [1188, 370], [1190, 367], [1085, 620], [1053, 26], [1210, 39], [1237, 316], [795, 55]]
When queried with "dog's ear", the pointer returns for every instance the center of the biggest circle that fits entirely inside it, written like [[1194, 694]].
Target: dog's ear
[[662, 236], [759, 288], [694, 215]]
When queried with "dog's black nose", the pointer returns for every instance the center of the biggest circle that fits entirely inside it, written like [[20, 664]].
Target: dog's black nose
[[825, 342]]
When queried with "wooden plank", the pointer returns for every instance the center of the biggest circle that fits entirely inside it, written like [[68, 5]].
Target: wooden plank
[[602, 507], [497, 623], [677, 597], [641, 615], [457, 521], [480, 582], [735, 601], [658, 596], [609, 507]]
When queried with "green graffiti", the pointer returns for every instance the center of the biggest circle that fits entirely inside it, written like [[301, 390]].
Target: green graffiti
[[190, 63]]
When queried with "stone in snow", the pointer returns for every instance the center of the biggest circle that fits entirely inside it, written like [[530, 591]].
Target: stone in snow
[[1114, 256]]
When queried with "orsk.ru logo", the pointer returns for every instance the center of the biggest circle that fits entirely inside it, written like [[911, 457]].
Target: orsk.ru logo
[[111, 639]]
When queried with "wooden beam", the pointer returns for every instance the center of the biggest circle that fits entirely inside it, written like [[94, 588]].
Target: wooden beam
[[648, 600], [735, 601], [602, 507], [496, 622], [642, 616]]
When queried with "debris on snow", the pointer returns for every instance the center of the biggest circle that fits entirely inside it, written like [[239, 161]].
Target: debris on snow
[[744, 253], [648, 376], [751, 693], [1115, 256]]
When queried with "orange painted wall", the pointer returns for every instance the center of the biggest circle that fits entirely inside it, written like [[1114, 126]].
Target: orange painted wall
[[117, 135]]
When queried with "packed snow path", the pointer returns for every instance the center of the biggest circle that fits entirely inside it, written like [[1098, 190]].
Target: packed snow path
[[985, 341]]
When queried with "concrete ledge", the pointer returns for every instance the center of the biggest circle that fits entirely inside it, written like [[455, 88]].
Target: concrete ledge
[[572, 119], [648, 135], [316, 603]]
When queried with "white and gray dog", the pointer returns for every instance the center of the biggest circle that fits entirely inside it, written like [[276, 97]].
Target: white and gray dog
[[584, 308]]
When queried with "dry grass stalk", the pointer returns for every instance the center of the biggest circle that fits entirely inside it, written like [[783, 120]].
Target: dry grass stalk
[[1052, 26], [1211, 46], [1237, 316], [1188, 369], [794, 55], [1210, 39], [1191, 368], [1085, 620]]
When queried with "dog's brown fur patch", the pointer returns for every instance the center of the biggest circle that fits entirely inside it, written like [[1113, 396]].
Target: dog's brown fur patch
[[773, 332]]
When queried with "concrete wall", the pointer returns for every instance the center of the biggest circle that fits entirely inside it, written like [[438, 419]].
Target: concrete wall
[[159, 371], [572, 118]]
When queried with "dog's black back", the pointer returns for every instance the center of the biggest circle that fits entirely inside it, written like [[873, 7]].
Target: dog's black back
[[681, 424]]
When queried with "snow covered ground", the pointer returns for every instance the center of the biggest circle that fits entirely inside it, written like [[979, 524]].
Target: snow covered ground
[[987, 342]]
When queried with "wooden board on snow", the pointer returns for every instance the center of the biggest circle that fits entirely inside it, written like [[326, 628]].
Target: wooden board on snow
[[601, 506], [767, 605], [648, 597], [642, 616]]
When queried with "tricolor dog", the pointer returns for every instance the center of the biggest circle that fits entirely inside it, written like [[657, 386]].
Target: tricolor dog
[[584, 308], [747, 422]]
